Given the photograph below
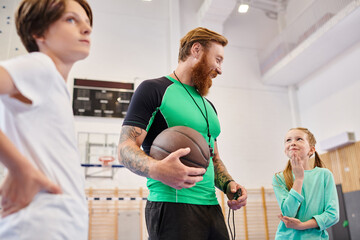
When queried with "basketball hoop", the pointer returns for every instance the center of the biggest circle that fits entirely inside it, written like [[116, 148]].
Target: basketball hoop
[[106, 160]]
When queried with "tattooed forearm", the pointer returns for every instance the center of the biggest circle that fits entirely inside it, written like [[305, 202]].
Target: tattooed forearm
[[129, 133], [221, 174], [130, 154], [135, 160]]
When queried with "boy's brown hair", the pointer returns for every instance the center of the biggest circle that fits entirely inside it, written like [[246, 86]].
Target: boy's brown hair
[[34, 17], [201, 35]]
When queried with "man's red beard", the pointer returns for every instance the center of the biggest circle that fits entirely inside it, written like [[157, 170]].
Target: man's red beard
[[202, 76]]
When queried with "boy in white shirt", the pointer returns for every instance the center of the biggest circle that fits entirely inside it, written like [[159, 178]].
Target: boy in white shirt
[[43, 194]]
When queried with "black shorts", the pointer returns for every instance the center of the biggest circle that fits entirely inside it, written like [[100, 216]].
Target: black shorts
[[180, 221]]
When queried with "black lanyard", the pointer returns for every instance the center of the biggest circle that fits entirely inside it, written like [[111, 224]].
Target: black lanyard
[[204, 115]]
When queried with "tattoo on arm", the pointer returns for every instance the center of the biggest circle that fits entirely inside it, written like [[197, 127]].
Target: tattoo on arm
[[221, 174], [132, 157], [129, 133]]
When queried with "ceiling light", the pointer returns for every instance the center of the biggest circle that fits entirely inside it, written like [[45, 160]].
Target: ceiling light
[[243, 8]]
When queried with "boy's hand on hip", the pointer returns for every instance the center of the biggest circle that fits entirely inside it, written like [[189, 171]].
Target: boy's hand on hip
[[19, 189]]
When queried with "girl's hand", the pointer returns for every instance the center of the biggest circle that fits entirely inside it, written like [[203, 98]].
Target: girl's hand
[[297, 166], [293, 223]]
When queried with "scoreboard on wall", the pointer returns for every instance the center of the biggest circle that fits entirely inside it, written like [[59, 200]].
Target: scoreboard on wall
[[101, 98]]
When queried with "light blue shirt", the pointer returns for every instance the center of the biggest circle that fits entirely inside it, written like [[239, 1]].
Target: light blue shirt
[[318, 200]]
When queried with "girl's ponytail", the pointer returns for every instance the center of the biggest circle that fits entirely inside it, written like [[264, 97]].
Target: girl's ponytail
[[318, 162], [288, 176]]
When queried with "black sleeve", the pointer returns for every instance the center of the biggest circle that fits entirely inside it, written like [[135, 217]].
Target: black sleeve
[[145, 102]]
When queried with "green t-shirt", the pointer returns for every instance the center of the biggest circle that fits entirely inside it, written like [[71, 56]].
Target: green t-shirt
[[161, 103], [318, 200]]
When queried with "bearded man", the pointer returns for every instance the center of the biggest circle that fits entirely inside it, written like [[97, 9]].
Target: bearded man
[[182, 203]]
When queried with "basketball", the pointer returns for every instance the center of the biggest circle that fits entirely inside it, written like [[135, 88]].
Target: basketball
[[174, 138]]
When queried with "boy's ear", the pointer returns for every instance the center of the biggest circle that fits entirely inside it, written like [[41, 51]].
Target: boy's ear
[[38, 38]]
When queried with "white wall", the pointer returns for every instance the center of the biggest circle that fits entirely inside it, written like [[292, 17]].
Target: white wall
[[294, 9], [329, 99], [129, 44], [188, 17], [252, 30], [253, 117]]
